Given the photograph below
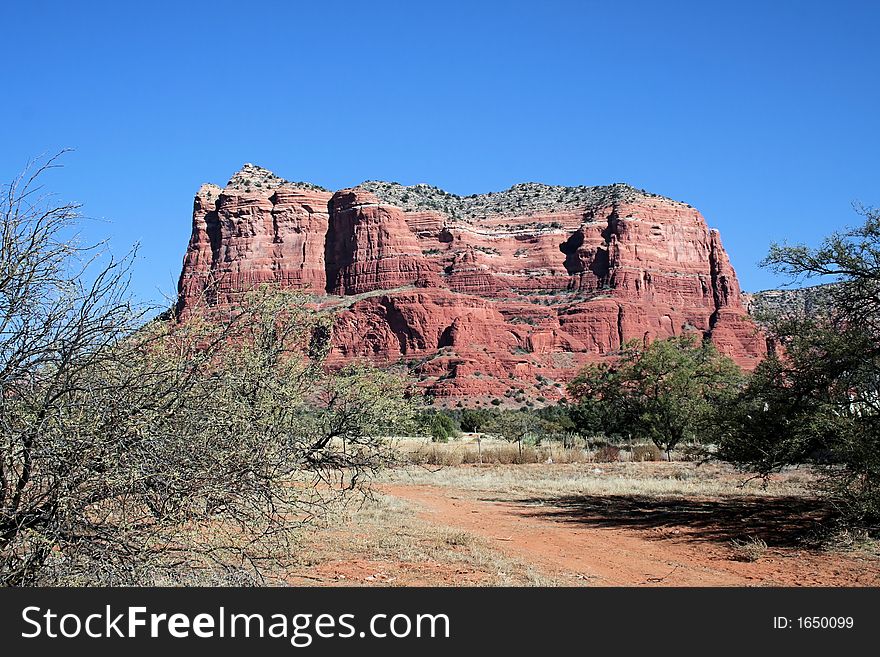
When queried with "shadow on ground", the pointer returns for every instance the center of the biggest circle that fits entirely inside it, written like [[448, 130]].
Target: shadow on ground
[[779, 521]]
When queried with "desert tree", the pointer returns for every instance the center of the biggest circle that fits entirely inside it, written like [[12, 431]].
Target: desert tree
[[61, 313], [163, 451], [817, 401], [440, 425], [474, 420], [516, 425], [667, 391], [559, 423]]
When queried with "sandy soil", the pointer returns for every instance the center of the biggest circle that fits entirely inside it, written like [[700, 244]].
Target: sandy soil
[[631, 541]]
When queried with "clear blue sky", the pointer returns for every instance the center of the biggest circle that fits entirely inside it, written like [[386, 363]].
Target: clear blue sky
[[764, 115]]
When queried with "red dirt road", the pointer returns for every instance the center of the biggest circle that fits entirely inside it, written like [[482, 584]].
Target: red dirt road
[[583, 546]]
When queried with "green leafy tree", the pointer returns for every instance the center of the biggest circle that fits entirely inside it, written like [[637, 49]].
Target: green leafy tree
[[559, 422], [474, 420], [601, 401], [666, 391], [818, 400], [442, 427], [517, 426]]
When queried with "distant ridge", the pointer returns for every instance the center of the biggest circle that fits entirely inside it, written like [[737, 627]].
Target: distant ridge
[[795, 302]]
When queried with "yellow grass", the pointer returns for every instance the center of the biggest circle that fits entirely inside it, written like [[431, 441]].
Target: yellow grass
[[406, 550], [662, 479]]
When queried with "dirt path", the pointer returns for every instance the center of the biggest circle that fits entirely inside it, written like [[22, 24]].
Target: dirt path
[[580, 551]]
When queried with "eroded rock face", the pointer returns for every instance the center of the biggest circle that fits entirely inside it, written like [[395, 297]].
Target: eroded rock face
[[369, 246], [490, 296], [247, 235]]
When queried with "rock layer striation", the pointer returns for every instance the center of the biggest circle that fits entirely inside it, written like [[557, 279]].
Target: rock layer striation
[[492, 296]]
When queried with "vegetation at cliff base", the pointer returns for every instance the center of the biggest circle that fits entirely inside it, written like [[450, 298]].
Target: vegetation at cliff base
[[666, 391]]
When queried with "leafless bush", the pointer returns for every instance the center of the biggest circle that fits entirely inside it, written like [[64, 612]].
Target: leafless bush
[[164, 452], [607, 454]]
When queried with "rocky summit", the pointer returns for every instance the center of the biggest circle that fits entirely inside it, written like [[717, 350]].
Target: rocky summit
[[497, 296]]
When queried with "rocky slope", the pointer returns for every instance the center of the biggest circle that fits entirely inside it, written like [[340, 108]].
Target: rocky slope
[[795, 302], [490, 296]]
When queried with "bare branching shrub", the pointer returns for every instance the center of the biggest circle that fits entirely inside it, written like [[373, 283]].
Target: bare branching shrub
[[167, 452], [607, 454]]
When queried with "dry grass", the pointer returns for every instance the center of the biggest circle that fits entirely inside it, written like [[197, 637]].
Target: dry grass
[[496, 452], [749, 550], [387, 535], [388, 541], [684, 479], [468, 453], [651, 452]]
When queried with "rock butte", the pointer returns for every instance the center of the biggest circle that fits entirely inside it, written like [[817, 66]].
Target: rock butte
[[501, 295]]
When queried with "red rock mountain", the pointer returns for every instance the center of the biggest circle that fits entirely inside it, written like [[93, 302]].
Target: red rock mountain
[[500, 295]]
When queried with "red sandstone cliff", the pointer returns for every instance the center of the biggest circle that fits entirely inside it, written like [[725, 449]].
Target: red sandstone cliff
[[497, 295]]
